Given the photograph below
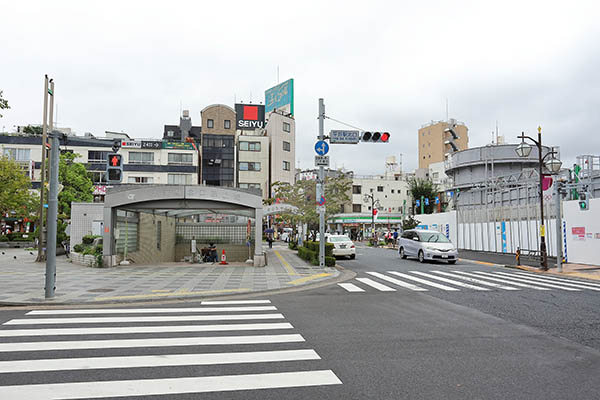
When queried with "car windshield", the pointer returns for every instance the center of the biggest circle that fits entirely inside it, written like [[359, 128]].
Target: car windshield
[[433, 237], [339, 239]]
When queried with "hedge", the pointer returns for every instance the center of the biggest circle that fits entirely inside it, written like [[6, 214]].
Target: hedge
[[313, 256], [314, 246]]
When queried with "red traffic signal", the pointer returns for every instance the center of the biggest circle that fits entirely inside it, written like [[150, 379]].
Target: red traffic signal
[[385, 137], [114, 160], [376, 137]]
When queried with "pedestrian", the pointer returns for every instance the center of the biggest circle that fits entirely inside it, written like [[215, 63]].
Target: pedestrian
[[395, 238], [270, 240], [66, 245]]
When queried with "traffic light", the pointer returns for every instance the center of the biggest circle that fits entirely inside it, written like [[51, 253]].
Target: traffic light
[[116, 145], [584, 201], [114, 168], [376, 137]]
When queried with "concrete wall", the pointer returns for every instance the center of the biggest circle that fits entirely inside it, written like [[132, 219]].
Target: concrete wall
[[83, 216], [582, 232], [148, 251], [443, 222]]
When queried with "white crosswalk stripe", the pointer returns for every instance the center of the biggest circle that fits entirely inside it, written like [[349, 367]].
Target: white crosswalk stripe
[[587, 285], [527, 280], [397, 282], [350, 287], [541, 279], [376, 285], [176, 353], [478, 281], [524, 285], [424, 282], [453, 282]]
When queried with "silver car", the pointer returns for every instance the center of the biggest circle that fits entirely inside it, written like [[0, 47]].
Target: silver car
[[426, 245]]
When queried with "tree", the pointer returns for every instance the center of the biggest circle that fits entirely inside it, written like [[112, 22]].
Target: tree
[[15, 195], [33, 130], [426, 188], [3, 103], [77, 185]]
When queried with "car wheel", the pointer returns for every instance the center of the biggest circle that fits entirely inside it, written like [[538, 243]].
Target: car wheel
[[421, 256], [352, 256], [401, 252], [452, 262]]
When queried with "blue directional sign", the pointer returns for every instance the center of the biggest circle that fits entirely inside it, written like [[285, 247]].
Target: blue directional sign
[[321, 147], [418, 202], [437, 200], [426, 201]]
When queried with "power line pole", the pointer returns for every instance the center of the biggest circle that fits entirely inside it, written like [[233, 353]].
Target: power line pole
[[320, 188], [41, 255]]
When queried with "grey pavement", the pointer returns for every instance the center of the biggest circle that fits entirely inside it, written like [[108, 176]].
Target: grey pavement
[[22, 279]]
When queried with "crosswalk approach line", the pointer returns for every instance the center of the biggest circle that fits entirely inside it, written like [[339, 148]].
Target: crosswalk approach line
[[150, 310], [164, 360], [490, 278], [551, 279], [376, 285], [478, 281], [424, 282], [397, 282], [153, 342], [527, 280], [145, 329], [149, 387], [450, 281], [350, 287], [226, 302], [104, 320]]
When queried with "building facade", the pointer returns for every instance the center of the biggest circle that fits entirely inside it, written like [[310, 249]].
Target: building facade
[[218, 151], [281, 130], [435, 144]]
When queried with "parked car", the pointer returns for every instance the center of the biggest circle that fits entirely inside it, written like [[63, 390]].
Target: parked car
[[286, 235], [427, 245], [342, 246]]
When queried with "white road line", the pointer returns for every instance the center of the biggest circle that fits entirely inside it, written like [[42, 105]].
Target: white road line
[[424, 282], [537, 281], [351, 287], [450, 281], [144, 329], [479, 281], [162, 342], [165, 360], [553, 278], [376, 285], [489, 278], [149, 387], [398, 282], [106, 320], [225, 302], [150, 310]]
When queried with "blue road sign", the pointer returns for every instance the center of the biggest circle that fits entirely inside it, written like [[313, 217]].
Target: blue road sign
[[426, 201], [418, 203], [321, 147], [437, 200]]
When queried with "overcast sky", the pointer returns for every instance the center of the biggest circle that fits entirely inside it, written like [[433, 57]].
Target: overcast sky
[[129, 65]]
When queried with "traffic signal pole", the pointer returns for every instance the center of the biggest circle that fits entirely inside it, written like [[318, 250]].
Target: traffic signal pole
[[320, 188], [41, 255], [52, 216]]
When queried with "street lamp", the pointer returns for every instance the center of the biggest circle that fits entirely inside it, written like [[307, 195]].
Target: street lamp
[[553, 165], [374, 202]]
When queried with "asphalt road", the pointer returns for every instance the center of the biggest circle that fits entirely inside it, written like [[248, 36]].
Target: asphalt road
[[326, 343]]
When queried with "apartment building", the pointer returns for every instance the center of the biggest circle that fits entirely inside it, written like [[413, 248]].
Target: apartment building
[[435, 143]]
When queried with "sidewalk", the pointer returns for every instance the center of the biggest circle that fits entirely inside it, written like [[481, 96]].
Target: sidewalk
[[531, 264], [22, 280]]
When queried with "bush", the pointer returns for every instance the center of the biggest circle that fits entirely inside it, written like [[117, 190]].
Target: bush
[[78, 248], [314, 246], [98, 250], [88, 239], [4, 238], [99, 261], [293, 245], [330, 261]]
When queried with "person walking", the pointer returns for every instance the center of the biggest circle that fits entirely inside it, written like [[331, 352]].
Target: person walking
[[395, 235]]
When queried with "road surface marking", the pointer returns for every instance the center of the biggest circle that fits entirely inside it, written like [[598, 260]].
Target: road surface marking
[[150, 387], [105, 320], [489, 278], [479, 281], [397, 282], [160, 342], [144, 329], [226, 302], [535, 281], [178, 293], [287, 266], [376, 285], [552, 278], [351, 287], [424, 282], [450, 281], [150, 310], [165, 360], [308, 278]]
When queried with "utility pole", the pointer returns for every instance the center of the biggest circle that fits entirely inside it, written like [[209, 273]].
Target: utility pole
[[422, 204], [558, 200], [52, 216], [320, 188], [41, 255]]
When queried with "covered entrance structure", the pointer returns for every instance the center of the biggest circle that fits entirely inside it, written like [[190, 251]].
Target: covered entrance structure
[[151, 224]]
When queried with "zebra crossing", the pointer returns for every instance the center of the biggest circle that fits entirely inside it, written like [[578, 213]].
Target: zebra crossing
[[52, 344], [455, 281]]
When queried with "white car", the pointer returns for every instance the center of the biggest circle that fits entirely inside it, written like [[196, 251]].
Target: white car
[[426, 245], [342, 246]]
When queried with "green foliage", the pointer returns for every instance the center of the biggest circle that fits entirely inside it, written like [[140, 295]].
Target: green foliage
[[427, 189], [78, 248], [33, 130], [409, 223], [99, 261], [4, 238], [77, 185], [3, 103], [293, 245], [314, 246], [88, 239], [330, 261], [16, 198]]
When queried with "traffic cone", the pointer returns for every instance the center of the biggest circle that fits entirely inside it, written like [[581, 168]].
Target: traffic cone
[[223, 258]]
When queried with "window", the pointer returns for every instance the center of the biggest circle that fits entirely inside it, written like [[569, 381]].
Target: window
[[249, 185], [140, 179], [380, 188], [286, 146], [356, 208], [286, 165], [436, 175], [210, 123], [250, 146], [18, 154], [170, 133], [392, 191], [286, 127], [97, 176], [227, 124], [98, 156], [180, 158], [179, 179], [141, 158], [356, 189], [249, 166]]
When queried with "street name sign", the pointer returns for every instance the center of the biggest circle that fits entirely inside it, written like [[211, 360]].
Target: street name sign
[[348, 137], [321, 161]]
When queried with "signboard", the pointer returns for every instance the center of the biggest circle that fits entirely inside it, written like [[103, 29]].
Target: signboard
[[249, 116], [178, 145], [280, 97], [321, 147], [321, 161], [321, 209], [147, 144], [350, 137], [131, 143]]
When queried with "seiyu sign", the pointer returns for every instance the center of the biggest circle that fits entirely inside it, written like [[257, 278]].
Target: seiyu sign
[[249, 116]]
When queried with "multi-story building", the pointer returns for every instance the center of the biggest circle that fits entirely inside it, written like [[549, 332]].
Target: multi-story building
[[435, 143], [281, 130], [253, 161]]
